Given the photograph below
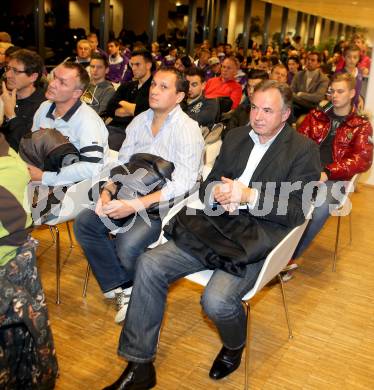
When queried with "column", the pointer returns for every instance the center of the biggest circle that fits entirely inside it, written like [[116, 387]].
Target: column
[[39, 27], [104, 22], [153, 20], [267, 17], [222, 21], [299, 21], [284, 24], [191, 26], [323, 29], [340, 32], [331, 28], [247, 24]]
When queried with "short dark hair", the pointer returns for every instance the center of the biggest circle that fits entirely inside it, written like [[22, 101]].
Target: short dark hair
[[31, 60], [186, 61], [10, 50], [101, 57], [115, 41], [283, 88], [143, 53], [195, 72], [316, 53], [84, 78], [258, 74], [181, 84]]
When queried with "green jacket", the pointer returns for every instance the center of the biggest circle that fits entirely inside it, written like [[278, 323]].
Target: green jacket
[[15, 218]]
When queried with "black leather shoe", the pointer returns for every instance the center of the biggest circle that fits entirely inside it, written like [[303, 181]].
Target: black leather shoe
[[227, 361], [137, 376]]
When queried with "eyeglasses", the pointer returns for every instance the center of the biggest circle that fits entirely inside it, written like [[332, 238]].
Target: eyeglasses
[[14, 70]]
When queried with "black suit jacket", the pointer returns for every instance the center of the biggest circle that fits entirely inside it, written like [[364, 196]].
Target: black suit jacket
[[230, 242]]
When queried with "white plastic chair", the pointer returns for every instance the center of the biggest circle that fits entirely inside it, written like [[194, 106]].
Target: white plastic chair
[[341, 211], [275, 262], [75, 199]]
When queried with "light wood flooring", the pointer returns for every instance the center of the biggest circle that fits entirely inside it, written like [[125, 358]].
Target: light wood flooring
[[332, 316]]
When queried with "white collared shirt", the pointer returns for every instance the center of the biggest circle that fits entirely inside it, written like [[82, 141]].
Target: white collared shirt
[[179, 140], [254, 159]]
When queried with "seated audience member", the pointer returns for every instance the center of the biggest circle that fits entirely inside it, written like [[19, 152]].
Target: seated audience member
[[203, 63], [351, 58], [364, 62], [215, 67], [264, 64], [3, 47], [21, 94], [65, 112], [204, 111], [309, 86], [117, 62], [345, 141], [169, 60], [240, 116], [165, 131], [94, 43], [233, 243], [83, 56], [156, 55], [130, 99], [293, 66], [183, 64], [225, 84], [99, 91], [27, 354], [279, 73]]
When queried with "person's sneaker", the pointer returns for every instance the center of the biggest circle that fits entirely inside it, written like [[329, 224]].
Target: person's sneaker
[[111, 294], [287, 272], [122, 301]]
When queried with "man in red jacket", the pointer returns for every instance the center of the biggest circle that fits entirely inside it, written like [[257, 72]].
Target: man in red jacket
[[346, 148], [225, 85]]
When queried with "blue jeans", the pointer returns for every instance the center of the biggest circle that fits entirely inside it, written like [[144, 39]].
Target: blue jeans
[[322, 211], [113, 261], [155, 271]]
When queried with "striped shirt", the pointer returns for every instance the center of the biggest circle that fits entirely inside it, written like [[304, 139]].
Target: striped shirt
[[179, 140], [85, 130]]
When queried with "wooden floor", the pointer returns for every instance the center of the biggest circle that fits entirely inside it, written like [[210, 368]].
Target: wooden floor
[[332, 316]]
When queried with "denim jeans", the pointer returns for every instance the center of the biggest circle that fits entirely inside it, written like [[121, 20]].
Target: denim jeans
[[113, 261], [322, 211], [155, 271]]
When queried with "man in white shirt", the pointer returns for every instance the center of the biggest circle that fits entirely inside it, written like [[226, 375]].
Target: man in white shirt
[[166, 131], [233, 242], [65, 112]]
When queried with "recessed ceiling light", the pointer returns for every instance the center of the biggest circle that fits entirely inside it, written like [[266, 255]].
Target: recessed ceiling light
[[354, 2]]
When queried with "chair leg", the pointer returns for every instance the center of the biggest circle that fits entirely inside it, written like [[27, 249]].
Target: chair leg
[[290, 335], [246, 373], [336, 245], [58, 265], [84, 294], [70, 236], [52, 234]]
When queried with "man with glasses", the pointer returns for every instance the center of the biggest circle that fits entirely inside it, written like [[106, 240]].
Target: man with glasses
[[65, 112], [21, 94], [130, 98]]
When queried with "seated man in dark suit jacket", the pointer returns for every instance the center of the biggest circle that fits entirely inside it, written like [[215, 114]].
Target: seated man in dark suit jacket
[[259, 182]]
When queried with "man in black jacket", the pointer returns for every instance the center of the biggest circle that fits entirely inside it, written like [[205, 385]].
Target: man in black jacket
[[21, 94], [204, 111], [130, 98], [258, 183]]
